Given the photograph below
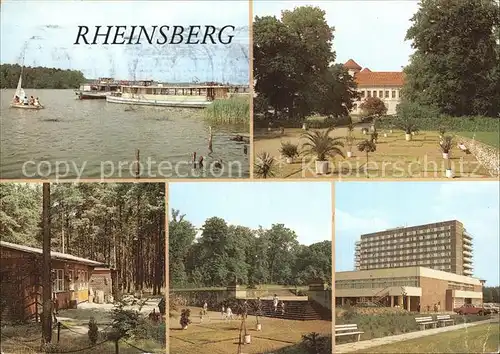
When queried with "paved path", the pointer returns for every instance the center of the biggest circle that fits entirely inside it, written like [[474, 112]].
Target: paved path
[[364, 344]]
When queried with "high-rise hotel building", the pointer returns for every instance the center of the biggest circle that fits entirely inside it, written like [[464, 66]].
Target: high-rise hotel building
[[444, 246]]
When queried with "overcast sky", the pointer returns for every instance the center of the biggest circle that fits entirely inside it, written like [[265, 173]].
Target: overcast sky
[[305, 207], [364, 207], [48, 30], [370, 32]]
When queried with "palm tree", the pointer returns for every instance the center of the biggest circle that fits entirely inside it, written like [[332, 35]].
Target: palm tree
[[264, 166], [314, 341], [409, 125], [367, 146], [322, 145]]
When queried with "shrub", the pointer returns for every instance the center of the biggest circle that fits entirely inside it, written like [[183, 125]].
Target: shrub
[[51, 348], [185, 313], [289, 150], [378, 322], [373, 106], [260, 104], [125, 321], [93, 332], [161, 306], [262, 121], [412, 110], [349, 312], [448, 123], [314, 343]]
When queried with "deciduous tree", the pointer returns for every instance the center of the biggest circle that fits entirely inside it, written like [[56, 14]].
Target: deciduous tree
[[456, 62], [292, 65], [373, 106]]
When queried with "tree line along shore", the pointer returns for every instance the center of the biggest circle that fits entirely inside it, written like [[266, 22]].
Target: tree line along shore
[[40, 77]]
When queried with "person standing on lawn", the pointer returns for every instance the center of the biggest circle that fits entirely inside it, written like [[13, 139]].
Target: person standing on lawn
[[229, 313], [275, 303], [223, 312]]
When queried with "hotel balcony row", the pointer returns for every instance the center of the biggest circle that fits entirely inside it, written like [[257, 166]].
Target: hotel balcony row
[[468, 265], [467, 272]]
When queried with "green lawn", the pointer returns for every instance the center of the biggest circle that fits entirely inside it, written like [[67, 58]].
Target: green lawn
[[215, 335], [477, 339], [489, 138]]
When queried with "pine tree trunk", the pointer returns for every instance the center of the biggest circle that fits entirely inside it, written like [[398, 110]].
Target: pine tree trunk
[[47, 281]]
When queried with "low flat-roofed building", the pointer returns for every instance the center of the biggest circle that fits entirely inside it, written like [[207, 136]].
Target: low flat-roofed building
[[408, 287], [21, 280]]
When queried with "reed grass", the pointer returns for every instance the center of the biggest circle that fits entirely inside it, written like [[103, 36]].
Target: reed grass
[[234, 110]]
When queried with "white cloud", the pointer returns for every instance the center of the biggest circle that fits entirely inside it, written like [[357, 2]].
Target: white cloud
[[346, 222], [309, 234]]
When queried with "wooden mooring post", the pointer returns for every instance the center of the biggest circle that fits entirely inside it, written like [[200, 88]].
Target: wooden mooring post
[[210, 136], [137, 164]]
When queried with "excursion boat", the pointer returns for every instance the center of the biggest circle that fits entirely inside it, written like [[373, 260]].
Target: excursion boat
[[149, 93], [21, 94], [99, 89]]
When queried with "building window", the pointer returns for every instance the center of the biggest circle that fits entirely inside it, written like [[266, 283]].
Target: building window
[[81, 280], [386, 94], [393, 94], [374, 93], [71, 276], [363, 94], [368, 94], [381, 94], [59, 280]]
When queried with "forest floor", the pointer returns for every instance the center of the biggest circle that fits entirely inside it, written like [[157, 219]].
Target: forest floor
[[26, 339], [395, 157], [100, 312], [218, 336]]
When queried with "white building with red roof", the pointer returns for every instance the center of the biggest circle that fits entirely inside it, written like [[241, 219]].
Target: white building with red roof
[[385, 85]]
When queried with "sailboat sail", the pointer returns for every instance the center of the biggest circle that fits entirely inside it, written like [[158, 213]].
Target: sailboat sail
[[19, 90]]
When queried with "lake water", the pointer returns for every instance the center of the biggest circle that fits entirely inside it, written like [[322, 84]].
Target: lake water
[[95, 139]]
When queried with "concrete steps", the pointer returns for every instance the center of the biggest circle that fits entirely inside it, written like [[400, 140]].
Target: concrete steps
[[296, 310]]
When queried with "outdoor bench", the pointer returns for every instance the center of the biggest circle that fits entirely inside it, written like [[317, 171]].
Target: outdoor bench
[[425, 321], [443, 319], [348, 330]]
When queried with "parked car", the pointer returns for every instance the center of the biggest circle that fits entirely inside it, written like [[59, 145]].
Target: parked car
[[491, 307], [469, 309]]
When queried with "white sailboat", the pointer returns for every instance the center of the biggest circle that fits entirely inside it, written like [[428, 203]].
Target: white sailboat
[[21, 94]]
